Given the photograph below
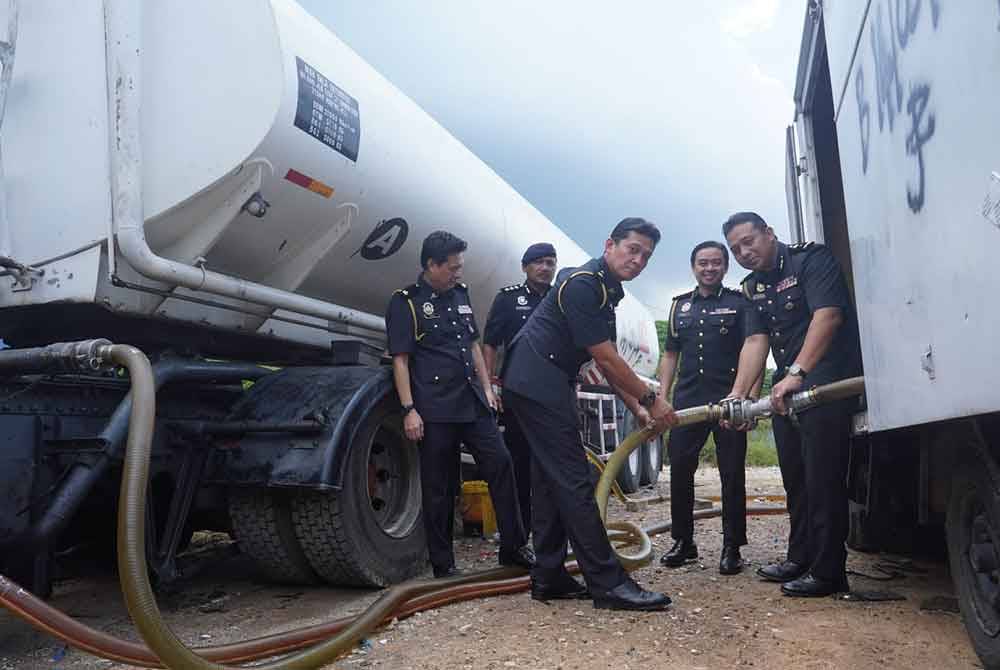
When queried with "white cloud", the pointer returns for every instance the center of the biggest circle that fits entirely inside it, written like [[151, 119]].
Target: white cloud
[[749, 17]]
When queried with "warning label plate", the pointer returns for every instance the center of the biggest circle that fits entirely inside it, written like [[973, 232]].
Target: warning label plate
[[326, 112]]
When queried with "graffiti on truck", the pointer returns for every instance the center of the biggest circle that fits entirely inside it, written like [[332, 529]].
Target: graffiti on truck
[[893, 25]]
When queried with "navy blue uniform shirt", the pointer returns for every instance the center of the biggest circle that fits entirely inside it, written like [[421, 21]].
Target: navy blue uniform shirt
[[511, 308], [437, 331], [708, 333], [577, 313], [806, 278]]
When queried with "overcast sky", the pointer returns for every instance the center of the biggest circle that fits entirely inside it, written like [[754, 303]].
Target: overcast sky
[[667, 109]]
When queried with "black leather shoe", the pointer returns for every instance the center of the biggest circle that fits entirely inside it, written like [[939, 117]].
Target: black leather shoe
[[680, 553], [523, 556], [782, 572], [731, 562], [450, 571], [630, 596], [567, 589], [810, 586]]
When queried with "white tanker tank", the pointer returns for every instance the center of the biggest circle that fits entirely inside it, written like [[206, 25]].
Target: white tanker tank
[[275, 165], [227, 179]]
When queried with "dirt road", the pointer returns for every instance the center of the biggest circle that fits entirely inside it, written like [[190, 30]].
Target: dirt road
[[715, 622]]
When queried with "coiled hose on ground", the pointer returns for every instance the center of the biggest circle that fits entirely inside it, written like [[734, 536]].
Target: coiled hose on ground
[[166, 650]]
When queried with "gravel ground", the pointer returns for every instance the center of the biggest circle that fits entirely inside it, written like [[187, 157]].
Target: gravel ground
[[715, 621]]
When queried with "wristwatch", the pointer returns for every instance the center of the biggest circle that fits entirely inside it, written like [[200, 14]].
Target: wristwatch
[[407, 409], [796, 370], [648, 398]]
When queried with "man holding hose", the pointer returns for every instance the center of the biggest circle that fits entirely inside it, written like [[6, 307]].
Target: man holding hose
[[574, 323]]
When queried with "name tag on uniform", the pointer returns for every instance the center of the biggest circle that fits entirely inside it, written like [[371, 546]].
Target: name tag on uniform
[[759, 296], [722, 310], [524, 307], [787, 282], [464, 309]]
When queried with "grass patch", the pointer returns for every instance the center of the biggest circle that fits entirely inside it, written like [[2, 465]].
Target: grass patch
[[761, 451]]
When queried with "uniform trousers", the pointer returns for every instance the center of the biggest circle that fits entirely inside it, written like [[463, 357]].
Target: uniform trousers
[[813, 457], [563, 496], [683, 449], [520, 454], [438, 457]]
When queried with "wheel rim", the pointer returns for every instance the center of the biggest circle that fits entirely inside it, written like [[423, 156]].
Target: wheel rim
[[984, 566], [633, 461], [393, 480], [653, 455]]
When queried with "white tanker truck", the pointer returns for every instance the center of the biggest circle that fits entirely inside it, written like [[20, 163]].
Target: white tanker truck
[[224, 184], [894, 163]]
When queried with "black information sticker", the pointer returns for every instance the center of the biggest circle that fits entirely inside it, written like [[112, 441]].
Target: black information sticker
[[326, 112]]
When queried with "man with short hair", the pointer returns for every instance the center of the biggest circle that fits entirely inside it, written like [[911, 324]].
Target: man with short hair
[[447, 399], [511, 308], [706, 330], [574, 323], [800, 294]]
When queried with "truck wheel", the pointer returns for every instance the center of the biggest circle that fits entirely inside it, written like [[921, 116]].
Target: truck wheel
[[973, 530], [630, 476], [370, 532], [262, 524]]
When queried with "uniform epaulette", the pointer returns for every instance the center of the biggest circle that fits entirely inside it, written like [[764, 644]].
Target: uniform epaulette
[[462, 286], [681, 296], [409, 290], [801, 246], [744, 285], [732, 290], [599, 276], [512, 287]]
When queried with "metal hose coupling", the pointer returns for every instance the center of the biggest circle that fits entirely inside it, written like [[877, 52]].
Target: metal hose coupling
[[741, 411], [82, 356]]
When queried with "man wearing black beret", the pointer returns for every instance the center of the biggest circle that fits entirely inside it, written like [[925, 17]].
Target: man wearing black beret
[[511, 308]]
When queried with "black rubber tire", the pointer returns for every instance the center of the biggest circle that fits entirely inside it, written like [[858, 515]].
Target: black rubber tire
[[630, 476], [974, 519], [370, 533], [652, 461], [262, 525]]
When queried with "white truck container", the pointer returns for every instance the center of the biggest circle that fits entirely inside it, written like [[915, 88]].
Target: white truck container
[[894, 162], [229, 180]]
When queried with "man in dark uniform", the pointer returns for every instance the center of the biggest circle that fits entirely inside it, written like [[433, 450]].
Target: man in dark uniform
[[706, 330], [573, 323], [511, 308], [800, 294], [446, 399]]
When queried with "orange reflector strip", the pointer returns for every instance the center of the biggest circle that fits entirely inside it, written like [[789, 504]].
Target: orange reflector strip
[[309, 183]]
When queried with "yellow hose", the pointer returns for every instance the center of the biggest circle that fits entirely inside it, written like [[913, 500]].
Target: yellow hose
[[141, 602], [139, 598]]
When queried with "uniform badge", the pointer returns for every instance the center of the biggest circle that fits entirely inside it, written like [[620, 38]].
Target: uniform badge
[[686, 307], [723, 330], [521, 300], [464, 309], [428, 309], [760, 287]]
